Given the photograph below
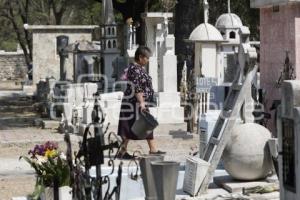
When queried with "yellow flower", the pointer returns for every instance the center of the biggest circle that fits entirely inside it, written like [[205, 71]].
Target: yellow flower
[[50, 153]]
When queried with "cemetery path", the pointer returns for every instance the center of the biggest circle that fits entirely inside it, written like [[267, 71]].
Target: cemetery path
[[17, 178], [16, 110], [18, 135]]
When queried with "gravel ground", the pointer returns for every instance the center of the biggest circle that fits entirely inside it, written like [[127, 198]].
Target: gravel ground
[[14, 186], [18, 180]]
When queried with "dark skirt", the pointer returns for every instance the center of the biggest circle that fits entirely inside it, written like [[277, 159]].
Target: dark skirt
[[128, 114]]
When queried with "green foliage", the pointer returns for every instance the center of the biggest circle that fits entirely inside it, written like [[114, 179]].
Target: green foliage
[[53, 169], [156, 6], [83, 12], [40, 12], [8, 37], [86, 12], [118, 17]]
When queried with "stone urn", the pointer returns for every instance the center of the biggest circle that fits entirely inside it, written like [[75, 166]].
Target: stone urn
[[64, 193], [48, 194], [147, 175], [165, 175]]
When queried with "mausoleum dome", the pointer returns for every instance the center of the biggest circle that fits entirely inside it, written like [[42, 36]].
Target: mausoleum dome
[[229, 21], [206, 33]]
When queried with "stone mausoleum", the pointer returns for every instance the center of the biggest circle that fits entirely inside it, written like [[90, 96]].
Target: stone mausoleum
[[280, 39], [222, 52], [45, 59]]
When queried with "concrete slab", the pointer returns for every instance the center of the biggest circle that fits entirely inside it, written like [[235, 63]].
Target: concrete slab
[[10, 93], [213, 193], [50, 124], [235, 186], [14, 166], [19, 198], [133, 190], [273, 195]]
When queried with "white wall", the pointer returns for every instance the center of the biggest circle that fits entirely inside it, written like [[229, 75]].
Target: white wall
[[209, 60]]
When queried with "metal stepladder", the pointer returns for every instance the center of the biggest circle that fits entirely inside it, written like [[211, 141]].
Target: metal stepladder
[[224, 125]]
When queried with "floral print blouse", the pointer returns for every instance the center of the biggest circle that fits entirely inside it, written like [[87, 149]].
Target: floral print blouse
[[138, 81]]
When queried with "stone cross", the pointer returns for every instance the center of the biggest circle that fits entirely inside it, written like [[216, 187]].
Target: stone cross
[[206, 12], [108, 16]]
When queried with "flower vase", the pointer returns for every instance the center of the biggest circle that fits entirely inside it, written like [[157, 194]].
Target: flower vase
[[65, 193], [48, 194]]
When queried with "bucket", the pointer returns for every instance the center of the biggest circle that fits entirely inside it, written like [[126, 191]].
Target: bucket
[[165, 174], [147, 175], [144, 125]]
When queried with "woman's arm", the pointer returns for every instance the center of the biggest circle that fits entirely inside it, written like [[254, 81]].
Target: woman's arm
[[141, 100]]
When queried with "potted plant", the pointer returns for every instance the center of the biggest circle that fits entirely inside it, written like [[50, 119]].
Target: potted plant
[[52, 170]]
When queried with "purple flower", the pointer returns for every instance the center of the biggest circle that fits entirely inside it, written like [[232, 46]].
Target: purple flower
[[41, 149], [51, 145]]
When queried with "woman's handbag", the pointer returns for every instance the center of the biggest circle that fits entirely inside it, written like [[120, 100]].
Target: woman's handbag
[[144, 125]]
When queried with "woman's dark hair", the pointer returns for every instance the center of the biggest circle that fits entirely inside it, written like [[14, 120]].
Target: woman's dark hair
[[142, 51]]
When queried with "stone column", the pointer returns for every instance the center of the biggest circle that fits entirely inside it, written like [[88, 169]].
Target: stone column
[[153, 72], [163, 68], [169, 67]]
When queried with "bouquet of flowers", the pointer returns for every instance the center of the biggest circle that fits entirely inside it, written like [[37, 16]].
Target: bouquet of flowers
[[50, 165]]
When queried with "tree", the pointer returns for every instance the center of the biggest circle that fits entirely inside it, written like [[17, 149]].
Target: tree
[[188, 14], [187, 17], [16, 13], [8, 40], [64, 11], [133, 9]]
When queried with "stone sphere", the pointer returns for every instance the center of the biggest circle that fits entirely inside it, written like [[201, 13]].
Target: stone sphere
[[246, 156]]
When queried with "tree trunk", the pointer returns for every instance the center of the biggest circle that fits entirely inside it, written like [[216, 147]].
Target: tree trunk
[[186, 19], [11, 16]]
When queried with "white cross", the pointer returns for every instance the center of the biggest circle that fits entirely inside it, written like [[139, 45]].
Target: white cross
[[206, 7]]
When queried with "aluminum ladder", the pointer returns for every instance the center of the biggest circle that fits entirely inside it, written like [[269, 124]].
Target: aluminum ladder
[[224, 125]]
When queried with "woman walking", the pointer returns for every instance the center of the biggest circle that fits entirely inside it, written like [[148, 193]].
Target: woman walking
[[137, 98]]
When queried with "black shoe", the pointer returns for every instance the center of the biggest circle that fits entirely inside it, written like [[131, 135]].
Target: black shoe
[[125, 156], [157, 152]]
